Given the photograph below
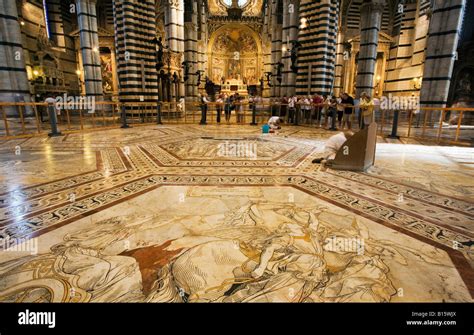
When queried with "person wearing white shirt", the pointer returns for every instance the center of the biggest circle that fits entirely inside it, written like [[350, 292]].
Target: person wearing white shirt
[[306, 106], [332, 146], [50, 100], [291, 109], [274, 123]]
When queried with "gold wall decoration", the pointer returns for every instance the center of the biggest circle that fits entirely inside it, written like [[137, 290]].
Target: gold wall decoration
[[235, 53]]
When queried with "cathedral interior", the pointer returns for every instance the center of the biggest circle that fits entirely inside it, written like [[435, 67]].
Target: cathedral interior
[[180, 151]]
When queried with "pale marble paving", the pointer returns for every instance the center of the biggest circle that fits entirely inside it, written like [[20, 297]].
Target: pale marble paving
[[128, 182], [23, 167], [445, 170]]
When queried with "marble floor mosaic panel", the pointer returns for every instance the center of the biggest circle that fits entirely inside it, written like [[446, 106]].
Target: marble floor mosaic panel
[[225, 214]]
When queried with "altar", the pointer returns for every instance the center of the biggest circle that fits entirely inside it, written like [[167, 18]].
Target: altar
[[232, 86]]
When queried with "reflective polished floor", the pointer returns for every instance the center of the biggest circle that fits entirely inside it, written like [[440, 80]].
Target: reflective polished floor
[[225, 214]]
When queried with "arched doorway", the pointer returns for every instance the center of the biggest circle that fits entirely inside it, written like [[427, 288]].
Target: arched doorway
[[235, 58]]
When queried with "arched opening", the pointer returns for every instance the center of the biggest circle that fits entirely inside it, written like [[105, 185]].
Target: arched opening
[[235, 58]]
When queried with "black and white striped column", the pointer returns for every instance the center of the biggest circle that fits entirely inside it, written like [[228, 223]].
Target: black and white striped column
[[13, 79], [174, 25], [267, 51], [190, 47], [289, 35], [276, 34], [371, 20], [87, 20], [339, 66], [135, 31], [318, 36], [203, 36], [56, 24], [443, 37]]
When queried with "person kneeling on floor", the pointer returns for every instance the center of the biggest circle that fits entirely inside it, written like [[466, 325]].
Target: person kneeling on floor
[[274, 123], [332, 146]]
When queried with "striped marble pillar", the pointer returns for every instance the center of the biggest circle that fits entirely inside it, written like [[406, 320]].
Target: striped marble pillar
[[267, 51], [135, 31], [203, 39], [443, 37], [289, 35], [318, 36], [56, 24], [174, 25], [371, 19], [339, 67], [190, 47], [276, 33], [87, 20], [13, 79], [206, 34]]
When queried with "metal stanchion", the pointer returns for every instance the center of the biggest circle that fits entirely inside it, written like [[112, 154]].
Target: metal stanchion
[[254, 115], [203, 114], [54, 121], [124, 117], [158, 113], [395, 125]]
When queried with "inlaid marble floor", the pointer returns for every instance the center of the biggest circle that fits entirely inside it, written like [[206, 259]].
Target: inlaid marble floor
[[225, 214]]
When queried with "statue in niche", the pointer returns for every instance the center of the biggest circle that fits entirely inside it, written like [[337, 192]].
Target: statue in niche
[[464, 85], [159, 53], [294, 55]]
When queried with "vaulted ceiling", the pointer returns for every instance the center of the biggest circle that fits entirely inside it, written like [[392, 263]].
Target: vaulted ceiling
[[250, 7]]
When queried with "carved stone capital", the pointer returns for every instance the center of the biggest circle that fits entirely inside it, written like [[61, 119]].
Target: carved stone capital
[[373, 5]]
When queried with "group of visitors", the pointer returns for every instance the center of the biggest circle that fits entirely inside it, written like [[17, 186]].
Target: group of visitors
[[227, 103], [328, 111], [322, 108]]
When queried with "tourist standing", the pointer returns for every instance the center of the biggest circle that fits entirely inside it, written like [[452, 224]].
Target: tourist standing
[[317, 103], [292, 109], [204, 102], [348, 102], [219, 104], [332, 111], [325, 109], [239, 108], [306, 109], [227, 108], [367, 107]]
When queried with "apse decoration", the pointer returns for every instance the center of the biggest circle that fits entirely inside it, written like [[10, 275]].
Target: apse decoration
[[234, 57]]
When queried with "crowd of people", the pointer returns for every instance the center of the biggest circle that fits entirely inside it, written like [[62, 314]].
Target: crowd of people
[[326, 111], [225, 103]]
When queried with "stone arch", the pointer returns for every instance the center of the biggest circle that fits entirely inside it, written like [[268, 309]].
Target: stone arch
[[351, 16]]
